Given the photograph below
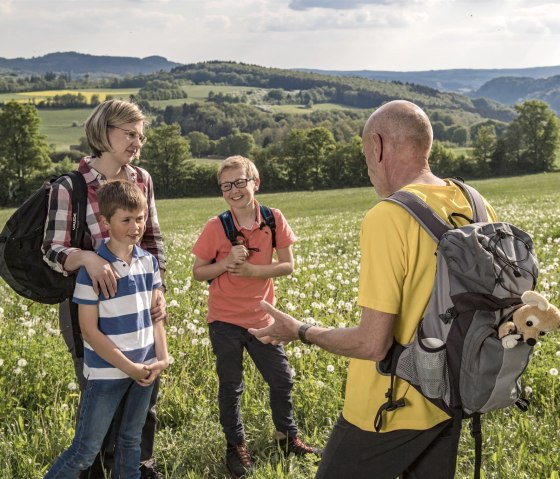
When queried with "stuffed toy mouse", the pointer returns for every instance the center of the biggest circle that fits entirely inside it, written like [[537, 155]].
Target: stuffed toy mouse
[[536, 317]]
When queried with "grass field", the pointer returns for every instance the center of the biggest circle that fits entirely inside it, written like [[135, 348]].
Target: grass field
[[39, 400]]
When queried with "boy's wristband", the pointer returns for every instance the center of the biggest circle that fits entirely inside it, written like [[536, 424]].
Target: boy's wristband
[[163, 287], [301, 333]]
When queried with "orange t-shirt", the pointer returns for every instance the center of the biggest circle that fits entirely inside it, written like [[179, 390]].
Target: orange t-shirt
[[236, 299]]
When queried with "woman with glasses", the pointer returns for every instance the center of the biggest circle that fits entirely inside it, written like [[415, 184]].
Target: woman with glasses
[[115, 134]]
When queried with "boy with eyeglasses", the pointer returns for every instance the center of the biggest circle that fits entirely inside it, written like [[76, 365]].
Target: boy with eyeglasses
[[241, 276]]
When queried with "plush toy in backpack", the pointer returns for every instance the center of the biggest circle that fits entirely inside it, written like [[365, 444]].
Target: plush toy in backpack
[[535, 318]]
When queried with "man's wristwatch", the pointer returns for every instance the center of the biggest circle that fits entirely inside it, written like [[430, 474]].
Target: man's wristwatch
[[301, 333]]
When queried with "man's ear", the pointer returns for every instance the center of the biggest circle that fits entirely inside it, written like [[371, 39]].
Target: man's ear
[[257, 183], [378, 146]]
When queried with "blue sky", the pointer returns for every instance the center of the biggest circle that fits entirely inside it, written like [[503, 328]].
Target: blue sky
[[400, 35]]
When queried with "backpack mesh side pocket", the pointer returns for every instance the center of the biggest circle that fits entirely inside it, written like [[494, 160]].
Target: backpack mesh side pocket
[[424, 364]]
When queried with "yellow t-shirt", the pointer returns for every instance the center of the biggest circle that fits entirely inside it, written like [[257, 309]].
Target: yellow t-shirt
[[396, 276]]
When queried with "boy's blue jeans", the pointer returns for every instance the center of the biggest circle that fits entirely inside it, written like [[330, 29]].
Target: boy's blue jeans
[[100, 403], [228, 343]]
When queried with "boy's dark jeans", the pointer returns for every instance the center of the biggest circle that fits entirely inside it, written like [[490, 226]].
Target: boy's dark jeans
[[228, 343], [106, 454]]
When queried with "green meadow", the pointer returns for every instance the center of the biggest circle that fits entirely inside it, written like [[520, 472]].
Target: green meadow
[[39, 392]]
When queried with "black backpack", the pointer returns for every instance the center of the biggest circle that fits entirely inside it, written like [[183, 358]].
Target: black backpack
[[232, 233], [21, 258]]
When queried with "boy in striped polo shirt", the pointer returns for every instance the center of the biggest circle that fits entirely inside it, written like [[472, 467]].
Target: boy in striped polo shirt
[[124, 352]]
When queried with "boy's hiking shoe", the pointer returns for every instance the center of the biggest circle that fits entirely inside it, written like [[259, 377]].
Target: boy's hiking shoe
[[150, 472], [238, 459], [294, 445]]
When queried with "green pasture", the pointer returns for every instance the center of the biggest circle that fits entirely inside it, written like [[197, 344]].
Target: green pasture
[[63, 127], [39, 396], [37, 96], [302, 109]]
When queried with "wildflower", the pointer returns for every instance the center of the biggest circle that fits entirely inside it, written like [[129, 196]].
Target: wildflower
[[330, 368], [528, 390], [558, 354], [22, 362], [194, 341], [205, 341], [72, 386], [1, 362], [64, 407], [320, 383], [553, 372]]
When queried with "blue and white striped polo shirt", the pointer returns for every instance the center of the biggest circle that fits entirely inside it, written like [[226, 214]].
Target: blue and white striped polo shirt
[[125, 319]]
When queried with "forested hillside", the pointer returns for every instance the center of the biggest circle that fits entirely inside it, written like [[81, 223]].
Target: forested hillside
[[79, 64], [302, 129], [511, 90]]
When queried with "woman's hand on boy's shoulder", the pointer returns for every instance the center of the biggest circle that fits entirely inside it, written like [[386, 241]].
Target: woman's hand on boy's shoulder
[[158, 311]]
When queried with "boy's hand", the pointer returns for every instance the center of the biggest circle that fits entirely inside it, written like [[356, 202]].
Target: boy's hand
[[243, 269], [140, 374], [237, 255], [153, 370]]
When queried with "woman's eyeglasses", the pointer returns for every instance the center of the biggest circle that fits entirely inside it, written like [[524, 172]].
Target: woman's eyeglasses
[[132, 135]]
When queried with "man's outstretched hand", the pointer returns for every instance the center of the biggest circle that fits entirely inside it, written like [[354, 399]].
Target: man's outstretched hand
[[283, 330]]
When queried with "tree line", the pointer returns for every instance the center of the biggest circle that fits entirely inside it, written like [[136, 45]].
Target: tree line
[[291, 153]]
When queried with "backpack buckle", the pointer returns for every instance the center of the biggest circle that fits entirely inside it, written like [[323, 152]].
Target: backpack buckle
[[449, 315]]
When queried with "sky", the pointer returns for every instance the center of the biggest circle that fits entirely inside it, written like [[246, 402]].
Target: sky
[[395, 35]]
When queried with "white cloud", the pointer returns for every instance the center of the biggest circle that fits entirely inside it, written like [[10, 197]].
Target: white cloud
[[539, 20], [330, 34], [329, 20], [5, 6], [218, 22], [343, 4]]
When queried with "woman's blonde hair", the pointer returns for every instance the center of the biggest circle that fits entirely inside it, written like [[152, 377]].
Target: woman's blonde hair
[[239, 161], [109, 113]]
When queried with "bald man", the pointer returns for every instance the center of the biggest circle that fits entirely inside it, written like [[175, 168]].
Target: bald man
[[397, 273]]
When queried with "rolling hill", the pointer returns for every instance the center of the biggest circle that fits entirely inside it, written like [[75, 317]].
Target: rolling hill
[[79, 64]]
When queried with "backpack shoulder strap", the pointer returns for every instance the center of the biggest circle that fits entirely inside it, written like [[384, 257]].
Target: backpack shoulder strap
[[229, 227], [480, 214], [79, 206], [420, 211], [268, 220]]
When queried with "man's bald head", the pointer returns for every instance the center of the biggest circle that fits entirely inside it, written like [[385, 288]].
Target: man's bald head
[[397, 140], [403, 124]]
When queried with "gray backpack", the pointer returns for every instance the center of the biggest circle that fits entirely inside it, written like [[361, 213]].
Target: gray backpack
[[456, 359]]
